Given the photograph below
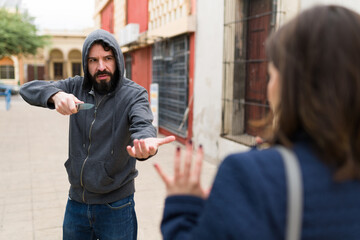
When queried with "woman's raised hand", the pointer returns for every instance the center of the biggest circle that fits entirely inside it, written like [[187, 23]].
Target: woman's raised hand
[[186, 179]]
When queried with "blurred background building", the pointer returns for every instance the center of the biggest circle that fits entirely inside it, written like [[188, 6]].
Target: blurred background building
[[61, 59], [207, 57]]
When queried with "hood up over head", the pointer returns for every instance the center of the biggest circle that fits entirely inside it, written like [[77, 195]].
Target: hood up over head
[[107, 37]]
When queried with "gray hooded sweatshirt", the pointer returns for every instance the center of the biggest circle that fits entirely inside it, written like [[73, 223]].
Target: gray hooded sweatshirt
[[99, 168]]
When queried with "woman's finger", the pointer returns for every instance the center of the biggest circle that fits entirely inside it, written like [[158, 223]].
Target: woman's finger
[[187, 162], [177, 161], [198, 164], [163, 176]]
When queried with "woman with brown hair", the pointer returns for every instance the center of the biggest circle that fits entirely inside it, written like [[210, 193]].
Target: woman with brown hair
[[314, 93]]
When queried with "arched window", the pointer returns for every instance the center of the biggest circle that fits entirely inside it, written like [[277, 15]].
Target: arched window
[[7, 70], [75, 61], [57, 62]]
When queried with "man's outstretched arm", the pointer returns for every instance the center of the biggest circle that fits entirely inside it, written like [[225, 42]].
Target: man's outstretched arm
[[37, 92], [52, 94]]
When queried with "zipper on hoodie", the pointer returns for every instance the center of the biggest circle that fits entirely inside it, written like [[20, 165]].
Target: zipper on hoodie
[[88, 151]]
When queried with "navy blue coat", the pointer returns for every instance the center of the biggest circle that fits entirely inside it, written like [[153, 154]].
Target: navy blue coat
[[248, 201]]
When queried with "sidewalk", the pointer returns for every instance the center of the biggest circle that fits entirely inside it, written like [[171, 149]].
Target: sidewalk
[[33, 179]]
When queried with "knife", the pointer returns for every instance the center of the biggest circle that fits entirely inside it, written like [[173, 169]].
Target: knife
[[84, 106]]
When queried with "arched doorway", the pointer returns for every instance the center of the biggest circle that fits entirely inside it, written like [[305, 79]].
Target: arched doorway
[[56, 64], [74, 58], [7, 69]]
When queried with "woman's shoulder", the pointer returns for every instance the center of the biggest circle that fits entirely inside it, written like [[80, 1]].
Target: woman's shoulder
[[266, 164], [254, 169], [254, 158], [269, 157]]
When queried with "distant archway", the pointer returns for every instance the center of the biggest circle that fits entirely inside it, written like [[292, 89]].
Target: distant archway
[[74, 58], [56, 64], [7, 69]]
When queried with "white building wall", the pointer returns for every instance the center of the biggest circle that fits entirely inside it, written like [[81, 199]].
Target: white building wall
[[208, 81], [287, 9], [209, 70], [209, 75], [351, 4]]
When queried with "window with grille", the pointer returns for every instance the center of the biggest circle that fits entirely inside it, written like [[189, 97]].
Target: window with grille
[[7, 72], [247, 25], [171, 72]]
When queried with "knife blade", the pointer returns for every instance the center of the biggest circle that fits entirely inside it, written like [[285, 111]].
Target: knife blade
[[84, 106]]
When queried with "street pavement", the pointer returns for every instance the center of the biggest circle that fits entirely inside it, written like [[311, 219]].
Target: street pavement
[[33, 179]]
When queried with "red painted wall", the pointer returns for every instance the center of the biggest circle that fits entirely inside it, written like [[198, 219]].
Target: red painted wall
[[137, 12], [141, 67], [193, 7], [107, 17], [191, 83]]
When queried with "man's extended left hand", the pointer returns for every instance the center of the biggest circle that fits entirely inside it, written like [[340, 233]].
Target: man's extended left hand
[[145, 148]]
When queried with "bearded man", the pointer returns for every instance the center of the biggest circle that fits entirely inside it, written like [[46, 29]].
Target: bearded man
[[104, 141]]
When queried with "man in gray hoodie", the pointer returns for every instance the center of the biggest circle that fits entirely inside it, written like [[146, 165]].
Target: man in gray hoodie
[[104, 141]]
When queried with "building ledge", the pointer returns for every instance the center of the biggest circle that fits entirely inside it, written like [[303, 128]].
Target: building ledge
[[172, 29], [181, 26]]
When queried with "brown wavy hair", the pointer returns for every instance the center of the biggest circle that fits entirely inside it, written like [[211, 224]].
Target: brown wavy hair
[[318, 57]]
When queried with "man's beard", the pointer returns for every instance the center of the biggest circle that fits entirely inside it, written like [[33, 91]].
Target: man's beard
[[104, 87]]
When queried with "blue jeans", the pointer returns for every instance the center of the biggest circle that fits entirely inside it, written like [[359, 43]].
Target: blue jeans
[[112, 221]]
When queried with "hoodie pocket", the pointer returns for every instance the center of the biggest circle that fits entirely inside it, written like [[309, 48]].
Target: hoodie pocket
[[96, 178], [73, 178]]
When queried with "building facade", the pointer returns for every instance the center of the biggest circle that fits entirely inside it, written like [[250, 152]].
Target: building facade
[[208, 58], [59, 60]]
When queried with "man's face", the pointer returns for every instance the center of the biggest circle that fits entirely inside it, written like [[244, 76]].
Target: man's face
[[101, 66]]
